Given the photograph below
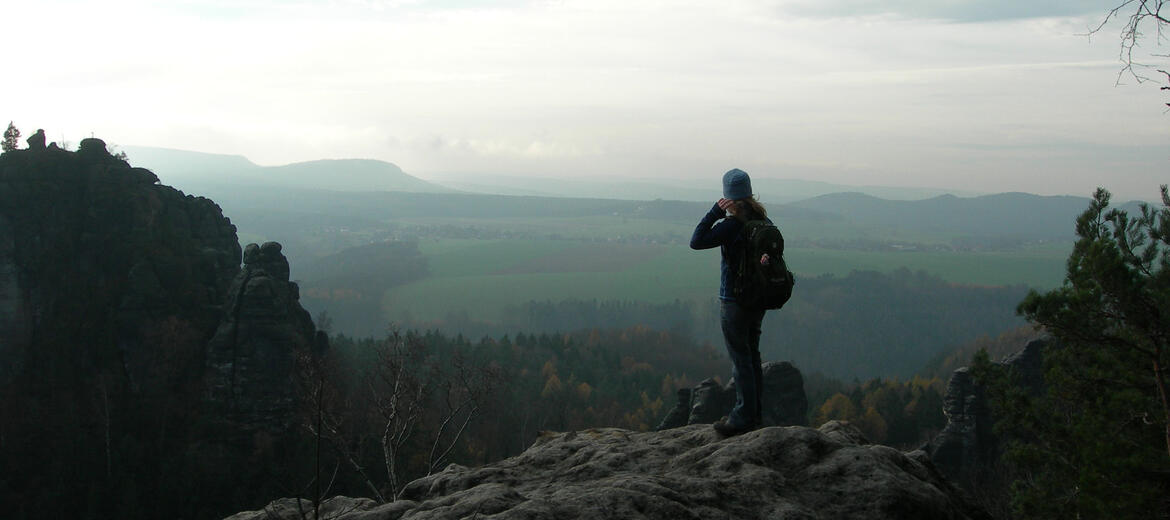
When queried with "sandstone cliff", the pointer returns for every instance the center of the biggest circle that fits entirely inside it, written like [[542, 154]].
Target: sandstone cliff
[[139, 360], [688, 472], [251, 357], [96, 256]]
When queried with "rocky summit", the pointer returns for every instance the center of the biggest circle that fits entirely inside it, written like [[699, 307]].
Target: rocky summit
[[140, 362], [683, 473], [101, 261], [251, 356]]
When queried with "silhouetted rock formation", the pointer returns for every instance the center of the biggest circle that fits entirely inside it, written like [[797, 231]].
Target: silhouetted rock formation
[[679, 415], [251, 357], [689, 472], [785, 403], [111, 290], [95, 255], [966, 450], [36, 142]]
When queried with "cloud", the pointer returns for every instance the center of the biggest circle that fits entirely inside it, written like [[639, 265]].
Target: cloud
[[488, 147], [951, 10], [586, 86]]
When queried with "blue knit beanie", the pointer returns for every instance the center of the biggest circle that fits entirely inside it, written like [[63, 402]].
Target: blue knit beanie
[[736, 185]]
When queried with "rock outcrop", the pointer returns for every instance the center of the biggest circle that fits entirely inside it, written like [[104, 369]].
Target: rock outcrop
[[688, 472], [99, 259], [252, 356], [966, 449], [785, 403], [36, 141]]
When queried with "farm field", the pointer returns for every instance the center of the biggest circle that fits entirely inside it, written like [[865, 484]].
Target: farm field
[[595, 227]]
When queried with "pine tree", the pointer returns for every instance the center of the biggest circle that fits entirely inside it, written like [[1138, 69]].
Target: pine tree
[[1095, 443], [11, 137], [1116, 296]]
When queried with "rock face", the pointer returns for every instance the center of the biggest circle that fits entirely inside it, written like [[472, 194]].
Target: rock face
[[251, 358], [104, 271], [785, 403], [682, 473], [97, 258], [966, 449]]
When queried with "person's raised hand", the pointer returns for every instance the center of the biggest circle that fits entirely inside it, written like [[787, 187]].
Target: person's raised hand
[[729, 206]]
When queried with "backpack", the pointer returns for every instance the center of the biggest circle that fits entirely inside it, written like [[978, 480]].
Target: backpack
[[761, 286]]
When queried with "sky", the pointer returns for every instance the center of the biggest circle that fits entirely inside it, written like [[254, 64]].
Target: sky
[[975, 95]]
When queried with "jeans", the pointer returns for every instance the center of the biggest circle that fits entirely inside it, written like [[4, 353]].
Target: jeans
[[741, 334]]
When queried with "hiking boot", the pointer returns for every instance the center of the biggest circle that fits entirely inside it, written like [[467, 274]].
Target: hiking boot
[[726, 429]]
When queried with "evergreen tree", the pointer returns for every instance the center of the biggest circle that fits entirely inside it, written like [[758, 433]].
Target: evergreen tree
[[1095, 442], [11, 137]]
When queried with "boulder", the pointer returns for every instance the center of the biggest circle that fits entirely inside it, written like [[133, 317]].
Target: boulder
[[682, 473], [785, 403], [710, 401], [36, 142], [680, 413], [93, 146], [144, 175]]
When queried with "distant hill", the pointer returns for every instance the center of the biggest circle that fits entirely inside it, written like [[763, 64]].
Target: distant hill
[[347, 175], [196, 171], [184, 163], [1004, 214]]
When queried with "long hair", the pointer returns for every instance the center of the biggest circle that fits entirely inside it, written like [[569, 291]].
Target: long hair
[[756, 209]]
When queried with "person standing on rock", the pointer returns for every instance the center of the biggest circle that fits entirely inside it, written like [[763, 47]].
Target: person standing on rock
[[722, 226]]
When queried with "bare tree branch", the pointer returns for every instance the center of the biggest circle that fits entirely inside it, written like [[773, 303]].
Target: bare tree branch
[[1136, 14]]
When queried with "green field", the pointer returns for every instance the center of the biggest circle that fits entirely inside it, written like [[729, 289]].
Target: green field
[[573, 228], [481, 277]]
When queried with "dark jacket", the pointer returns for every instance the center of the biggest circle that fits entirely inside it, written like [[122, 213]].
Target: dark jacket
[[715, 230]]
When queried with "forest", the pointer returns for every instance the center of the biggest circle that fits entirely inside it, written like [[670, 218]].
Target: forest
[[140, 455]]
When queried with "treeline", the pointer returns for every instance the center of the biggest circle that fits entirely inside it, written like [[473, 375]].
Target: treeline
[[146, 455], [351, 283], [997, 347], [869, 324], [524, 384], [902, 414], [78, 442], [445, 399], [863, 325], [547, 316]]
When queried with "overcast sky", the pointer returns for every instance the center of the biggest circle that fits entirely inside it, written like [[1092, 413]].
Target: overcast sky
[[987, 95]]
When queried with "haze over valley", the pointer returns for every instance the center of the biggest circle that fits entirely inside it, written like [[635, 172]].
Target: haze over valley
[[373, 246]]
